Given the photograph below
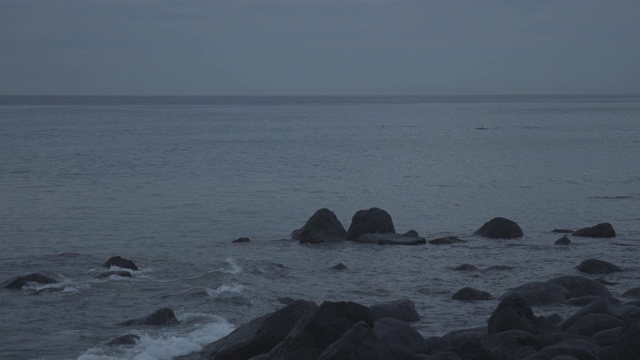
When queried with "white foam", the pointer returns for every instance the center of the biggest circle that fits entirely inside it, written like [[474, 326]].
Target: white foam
[[164, 346], [230, 288], [232, 267]]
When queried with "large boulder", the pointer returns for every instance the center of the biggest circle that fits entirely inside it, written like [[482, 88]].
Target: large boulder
[[626, 346], [389, 339], [19, 282], [370, 221], [318, 329], [514, 313], [164, 316], [539, 293], [390, 239], [260, 335], [403, 309], [500, 228], [512, 344], [578, 286], [603, 230], [595, 266], [120, 262], [466, 343], [323, 226]]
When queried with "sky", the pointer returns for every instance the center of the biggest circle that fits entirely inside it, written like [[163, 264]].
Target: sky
[[319, 47]]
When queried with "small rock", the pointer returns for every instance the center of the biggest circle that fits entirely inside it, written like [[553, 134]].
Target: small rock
[[594, 266], [339, 266], [562, 231], [466, 267], [471, 294], [106, 274], [19, 282], [370, 221], [403, 309], [322, 226], [129, 339], [500, 228], [241, 240], [563, 241], [120, 262], [164, 316], [448, 240], [603, 230]]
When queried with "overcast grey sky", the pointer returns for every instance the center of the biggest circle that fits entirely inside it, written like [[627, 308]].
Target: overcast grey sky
[[306, 47]]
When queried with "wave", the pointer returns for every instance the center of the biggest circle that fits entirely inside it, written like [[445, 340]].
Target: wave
[[232, 267], [167, 345]]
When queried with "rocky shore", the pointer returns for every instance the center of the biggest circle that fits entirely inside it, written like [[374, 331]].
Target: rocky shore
[[603, 327]]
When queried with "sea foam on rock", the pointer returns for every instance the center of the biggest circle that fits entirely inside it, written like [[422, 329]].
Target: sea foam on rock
[[120, 262], [19, 282]]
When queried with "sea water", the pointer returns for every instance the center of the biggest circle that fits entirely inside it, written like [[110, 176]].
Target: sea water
[[169, 182]]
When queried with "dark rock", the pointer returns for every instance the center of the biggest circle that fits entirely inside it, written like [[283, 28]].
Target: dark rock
[[447, 240], [390, 339], [371, 221], [411, 233], [436, 344], [594, 266], [260, 335], [599, 306], [603, 230], [634, 293], [583, 300], [578, 286], [164, 316], [591, 324], [318, 329], [500, 228], [514, 313], [512, 344], [467, 343], [120, 262], [563, 241], [607, 337], [241, 240], [471, 294], [466, 267], [499, 268], [323, 226], [19, 282], [286, 300], [539, 293], [604, 281], [106, 274], [402, 309], [357, 343], [439, 356], [129, 339], [389, 239], [562, 231], [563, 351], [339, 266]]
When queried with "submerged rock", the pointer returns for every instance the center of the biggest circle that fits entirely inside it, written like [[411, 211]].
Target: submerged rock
[[578, 286], [322, 226], [448, 240], [128, 339], [471, 294], [106, 274], [19, 282], [339, 266], [602, 230], [241, 240], [164, 316], [120, 262], [563, 241], [595, 266], [390, 239], [500, 228], [370, 221], [466, 267]]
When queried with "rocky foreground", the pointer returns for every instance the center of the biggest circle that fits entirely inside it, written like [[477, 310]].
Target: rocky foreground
[[302, 330]]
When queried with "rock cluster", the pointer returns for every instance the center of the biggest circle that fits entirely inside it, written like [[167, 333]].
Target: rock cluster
[[303, 330]]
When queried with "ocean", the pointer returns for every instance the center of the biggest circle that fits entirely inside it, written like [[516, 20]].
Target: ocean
[[170, 182]]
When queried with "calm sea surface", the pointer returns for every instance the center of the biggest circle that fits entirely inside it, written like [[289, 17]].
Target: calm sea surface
[[169, 182]]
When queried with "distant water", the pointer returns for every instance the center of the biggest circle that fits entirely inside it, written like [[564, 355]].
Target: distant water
[[169, 182]]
